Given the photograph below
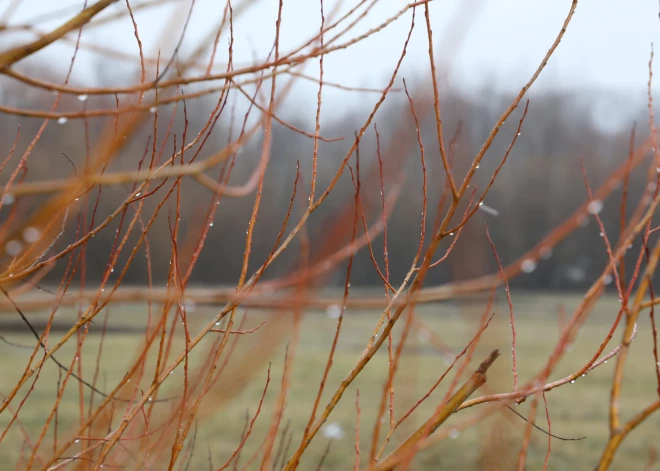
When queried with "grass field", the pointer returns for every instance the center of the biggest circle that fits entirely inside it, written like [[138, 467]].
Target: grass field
[[576, 410]]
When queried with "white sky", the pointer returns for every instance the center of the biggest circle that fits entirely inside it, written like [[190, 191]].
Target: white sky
[[606, 47]]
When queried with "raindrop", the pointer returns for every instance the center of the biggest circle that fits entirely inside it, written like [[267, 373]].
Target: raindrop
[[595, 207], [607, 279], [601, 234], [13, 248], [572, 381], [519, 134], [451, 233], [528, 265], [77, 440], [333, 311], [211, 225], [448, 358], [488, 209], [31, 234], [217, 323], [62, 120], [150, 398], [152, 109], [477, 166], [453, 434], [189, 305], [83, 97], [333, 431], [8, 199]]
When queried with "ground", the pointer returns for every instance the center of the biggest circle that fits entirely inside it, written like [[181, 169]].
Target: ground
[[576, 410]]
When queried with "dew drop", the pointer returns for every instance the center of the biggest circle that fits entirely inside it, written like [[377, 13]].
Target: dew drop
[[607, 279], [528, 265], [31, 234], [13, 248], [77, 440], [211, 225], [83, 97], [152, 109], [333, 431], [488, 209], [62, 120], [572, 381], [453, 434], [595, 207], [8, 199], [333, 311]]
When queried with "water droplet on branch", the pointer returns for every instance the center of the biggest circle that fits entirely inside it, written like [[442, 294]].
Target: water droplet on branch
[[595, 207]]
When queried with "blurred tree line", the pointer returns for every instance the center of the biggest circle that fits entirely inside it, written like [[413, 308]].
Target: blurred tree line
[[540, 185]]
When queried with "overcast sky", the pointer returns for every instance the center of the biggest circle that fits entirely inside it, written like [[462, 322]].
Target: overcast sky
[[489, 43]]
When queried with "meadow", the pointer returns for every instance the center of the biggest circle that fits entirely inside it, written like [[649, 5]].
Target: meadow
[[576, 410]]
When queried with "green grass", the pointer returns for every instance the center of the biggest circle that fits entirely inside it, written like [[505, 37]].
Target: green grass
[[576, 410]]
